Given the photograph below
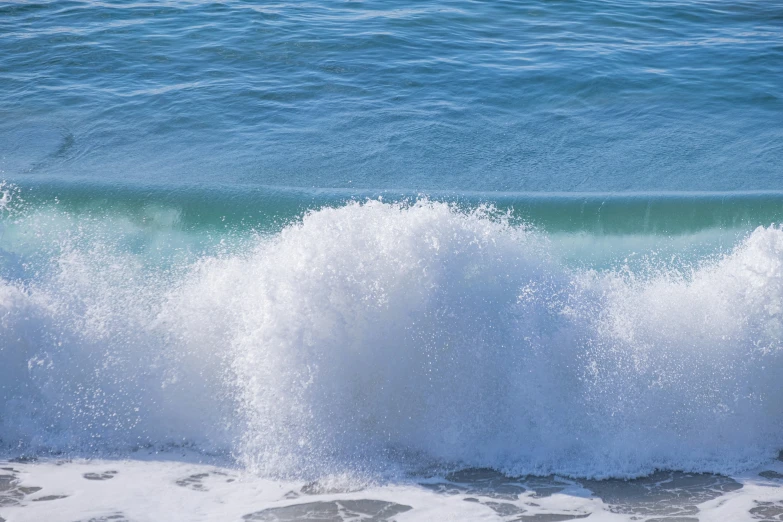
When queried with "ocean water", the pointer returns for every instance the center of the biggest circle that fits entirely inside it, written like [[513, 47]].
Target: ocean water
[[454, 260]]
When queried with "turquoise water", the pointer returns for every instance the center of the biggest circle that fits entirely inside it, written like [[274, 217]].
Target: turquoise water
[[330, 238]]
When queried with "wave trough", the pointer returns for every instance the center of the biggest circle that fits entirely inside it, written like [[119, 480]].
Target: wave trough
[[376, 335]]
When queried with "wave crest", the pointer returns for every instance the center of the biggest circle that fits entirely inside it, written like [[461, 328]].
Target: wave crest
[[363, 334]]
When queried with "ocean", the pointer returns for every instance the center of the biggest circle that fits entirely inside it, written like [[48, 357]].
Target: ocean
[[391, 261]]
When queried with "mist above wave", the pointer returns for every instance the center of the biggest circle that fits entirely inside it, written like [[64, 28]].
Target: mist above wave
[[364, 333]]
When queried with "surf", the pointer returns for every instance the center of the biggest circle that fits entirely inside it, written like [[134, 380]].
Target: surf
[[385, 337]]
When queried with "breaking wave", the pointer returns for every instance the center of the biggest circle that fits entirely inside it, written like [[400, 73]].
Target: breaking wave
[[374, 334]]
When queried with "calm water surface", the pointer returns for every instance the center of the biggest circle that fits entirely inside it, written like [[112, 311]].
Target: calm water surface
[[571, 95]]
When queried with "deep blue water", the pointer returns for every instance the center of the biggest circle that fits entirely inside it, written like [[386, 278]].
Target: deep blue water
[[558, 96]]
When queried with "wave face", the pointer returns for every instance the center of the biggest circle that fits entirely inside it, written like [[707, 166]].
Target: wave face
[[371, 335]]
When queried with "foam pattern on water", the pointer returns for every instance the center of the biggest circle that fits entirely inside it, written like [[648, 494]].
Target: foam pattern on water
[[373, 335]]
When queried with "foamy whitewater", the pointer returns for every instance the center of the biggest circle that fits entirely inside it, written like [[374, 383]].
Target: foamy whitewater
[[386, 359], [375, 336]]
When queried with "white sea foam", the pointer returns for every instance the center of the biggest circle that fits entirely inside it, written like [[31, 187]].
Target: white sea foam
[[374, 335]]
